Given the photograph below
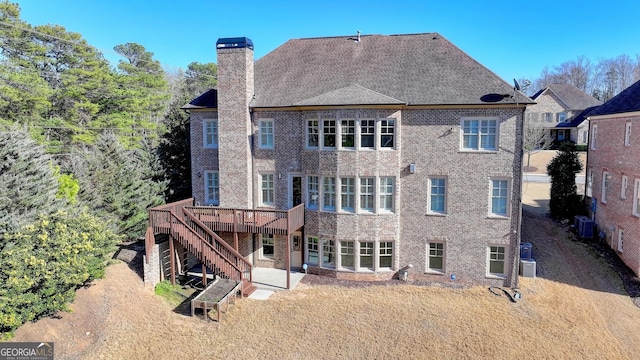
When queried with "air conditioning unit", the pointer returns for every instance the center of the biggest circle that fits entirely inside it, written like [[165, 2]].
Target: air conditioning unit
[[577, 219], [528, 268], [585, 228]]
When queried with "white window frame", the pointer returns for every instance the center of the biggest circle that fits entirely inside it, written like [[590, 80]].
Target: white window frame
[[385, 250], [328, 252], [497, 254], [211, 187], [348, 249], [367, 189], [268, 240], [368, 130], [627, 134], [436, 253], [594, 137], [507, 213], [364, 251], [480, 135], [210, 124], [562, 117], [266, 133], [313, 246], [329, 130], [348, 194], [387, 131], [620, 239], [605, 186], [623, 187], [386, 194], [313, 133], [589, 190], [431, 195], [348, 129], [313, 192], [267, 189], [636, 198], [329, 194]]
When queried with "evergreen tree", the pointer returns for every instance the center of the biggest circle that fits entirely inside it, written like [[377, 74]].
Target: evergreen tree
[[564, 202]]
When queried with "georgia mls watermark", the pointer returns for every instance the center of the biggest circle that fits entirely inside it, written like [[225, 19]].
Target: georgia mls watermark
[[26, 351]]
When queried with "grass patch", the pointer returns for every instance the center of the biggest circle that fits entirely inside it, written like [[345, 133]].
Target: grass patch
[[171, 293]]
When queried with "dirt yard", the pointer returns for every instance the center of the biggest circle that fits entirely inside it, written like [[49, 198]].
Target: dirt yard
[[576, 309]]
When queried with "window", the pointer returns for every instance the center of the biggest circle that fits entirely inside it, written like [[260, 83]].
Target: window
[[386, 254], [328, 254], [605, 186], [312, 192], [627, 134], [387, 129], [562, 117], [366, 255], [386, 193], [267, 246], [496, 260], [347, 254], [620, 240], [312, 133], [500, 197], [211, 188], [623, 188], [594, 136], [435, 261], [312, 250], [266, 134], [590, 183], [479, 135], [367, 133], [329, 193], [329, 133], [636, 197], [438, 195], [210, 133], [348, 133], [348, 194], [367, 191], [267, 189], [548, 117]]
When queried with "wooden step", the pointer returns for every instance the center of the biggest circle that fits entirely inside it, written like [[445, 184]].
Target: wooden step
[[247, 288]]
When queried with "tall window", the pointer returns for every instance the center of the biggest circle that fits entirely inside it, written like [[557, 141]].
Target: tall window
[[386, 254], [313, 246], [594, 136], [211, 188], [266, 134], [496, 260], [627, 134], [347, 253], [329, 133], [267, 189], [438, 195], [605, 186], [562, 117], [500, 197], [479, 135], [366, 255], [636, 197], [387, 129], [589, 191], [312, 133], [367, 133], [348, 133], [436, 257], [268, 247], [386, 193], [623, 187], [348, 194], [210, 133], [367, 192], [328, 254], [329, 194], [313, 193], [620, 240]]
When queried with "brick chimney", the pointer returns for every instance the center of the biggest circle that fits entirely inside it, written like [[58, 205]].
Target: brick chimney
[[235, 91]]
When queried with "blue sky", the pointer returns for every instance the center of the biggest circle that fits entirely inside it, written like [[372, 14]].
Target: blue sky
[[512, 38]]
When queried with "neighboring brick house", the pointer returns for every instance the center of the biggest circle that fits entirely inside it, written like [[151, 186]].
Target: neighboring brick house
[[563, 109], [387, 142], [613, 173]]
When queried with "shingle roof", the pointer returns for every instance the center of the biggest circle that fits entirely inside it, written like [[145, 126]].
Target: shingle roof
[[627, 101], [577, 119], [207, 100], [572, 97], [416, 69]]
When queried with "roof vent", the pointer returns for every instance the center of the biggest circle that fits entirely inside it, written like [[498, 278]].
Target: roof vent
[[234, 43]]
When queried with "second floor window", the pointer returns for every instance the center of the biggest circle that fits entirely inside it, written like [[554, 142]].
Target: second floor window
[[627, 134], [437, 195], [210, 133], [367, 133], [266, 134], [367, 192], [500, 197], [329, 192], [267, 189], [387, 129], [329, 133], [386, 194], [348, 129], [212, 188], [313, 192], [479, 135], [312, 133], [348, 194]]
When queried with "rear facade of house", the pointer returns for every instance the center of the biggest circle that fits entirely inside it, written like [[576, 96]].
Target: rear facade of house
[[613, 174], [403, 169]]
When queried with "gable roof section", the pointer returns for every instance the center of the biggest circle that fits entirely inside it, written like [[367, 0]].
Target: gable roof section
[[577, 119], [416, 69], [207, 100], [627, 101], [572, 98]]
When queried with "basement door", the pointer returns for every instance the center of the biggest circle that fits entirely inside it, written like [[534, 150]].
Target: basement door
[[296, 250]]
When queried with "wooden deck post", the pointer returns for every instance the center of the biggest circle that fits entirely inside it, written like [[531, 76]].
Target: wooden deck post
[[172, 260], [288, 260]]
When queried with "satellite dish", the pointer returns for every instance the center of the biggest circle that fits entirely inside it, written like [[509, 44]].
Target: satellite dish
[[516, 86]]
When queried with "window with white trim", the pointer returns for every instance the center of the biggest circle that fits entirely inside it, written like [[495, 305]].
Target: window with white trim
[[367, 194], [386, 193], [435, 257], [348, 194], [313, 132], [329, 194], [496, 260], [367, 133], [210, 133], [328, 254], [620, 240], [347, 254], [266, 133], [480, 134], [589, 191], [313, 192], [366, 255], [313, 251], [328, 133], [387, 131], [268, 247], [636, 197], [562, 117], [500, 197], [437, 195], [605, 186], [623, 187], [386, 254], [548, 117], [211, 188], [627, 134], [267, 190], [348, 133], [594, 136]]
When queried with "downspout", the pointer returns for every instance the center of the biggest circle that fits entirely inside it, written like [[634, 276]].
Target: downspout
[[516, 255]]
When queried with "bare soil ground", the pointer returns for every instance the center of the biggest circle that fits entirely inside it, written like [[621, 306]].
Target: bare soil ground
[[540, 159], [577, 308]]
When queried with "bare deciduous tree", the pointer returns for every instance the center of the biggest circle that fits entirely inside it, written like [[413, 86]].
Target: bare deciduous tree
[[536, 137]]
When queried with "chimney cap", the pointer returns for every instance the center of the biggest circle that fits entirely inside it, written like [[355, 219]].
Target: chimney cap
[[234, 43]]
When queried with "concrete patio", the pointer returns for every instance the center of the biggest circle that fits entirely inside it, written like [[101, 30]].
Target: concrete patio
[[269, 280]]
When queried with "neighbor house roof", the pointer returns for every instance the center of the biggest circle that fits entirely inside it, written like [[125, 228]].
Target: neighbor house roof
[[577, 119], [626, 101], [207, 100], [571, 97]]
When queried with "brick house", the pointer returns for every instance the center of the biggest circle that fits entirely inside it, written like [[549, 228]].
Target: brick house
[[613, 173], [405, 152], [563, 109]]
